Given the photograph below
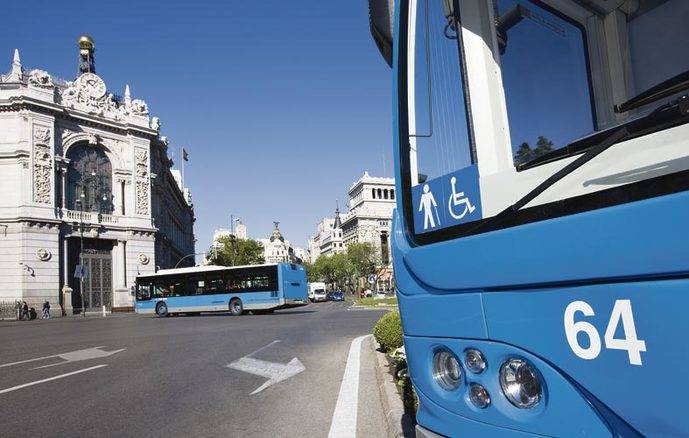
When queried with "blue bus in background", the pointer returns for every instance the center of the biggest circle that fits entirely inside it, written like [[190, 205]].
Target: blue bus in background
[[540, 240], [257, 288]]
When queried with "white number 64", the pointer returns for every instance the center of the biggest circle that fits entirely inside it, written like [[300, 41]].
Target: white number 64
[[622, 310]]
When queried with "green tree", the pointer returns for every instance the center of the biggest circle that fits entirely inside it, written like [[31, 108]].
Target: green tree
[[343, 269], [234, 252], [543, 146], [525, 153], [364, 259], [312, 273]]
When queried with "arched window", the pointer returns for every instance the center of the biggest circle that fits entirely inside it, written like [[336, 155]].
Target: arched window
[[373, 193], [392, 193], [89, 180], [380, 195]]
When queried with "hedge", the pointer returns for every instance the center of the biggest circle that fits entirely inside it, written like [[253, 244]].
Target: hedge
[[388, 331]]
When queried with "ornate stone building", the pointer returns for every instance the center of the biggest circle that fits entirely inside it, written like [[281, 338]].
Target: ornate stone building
[[84, 174], [328, 238], [276, 249], [371, 202]]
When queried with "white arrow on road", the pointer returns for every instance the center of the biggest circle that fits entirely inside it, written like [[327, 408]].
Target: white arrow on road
[[71, 356], [274, 372]]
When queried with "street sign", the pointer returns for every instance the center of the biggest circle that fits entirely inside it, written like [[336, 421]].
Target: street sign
[[372, 279], [80, 271]]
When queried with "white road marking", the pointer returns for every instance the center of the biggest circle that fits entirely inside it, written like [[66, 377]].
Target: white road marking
[[14, 388], [343, 424], [71, 356], [263, 348], [274, 372]]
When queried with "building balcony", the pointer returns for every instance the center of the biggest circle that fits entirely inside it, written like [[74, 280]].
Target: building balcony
[[89, 217]]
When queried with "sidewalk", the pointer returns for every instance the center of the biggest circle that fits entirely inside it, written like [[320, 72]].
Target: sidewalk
[[58, 317], [397, 422]]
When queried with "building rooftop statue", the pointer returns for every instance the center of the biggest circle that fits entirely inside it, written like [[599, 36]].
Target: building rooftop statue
[[276, 234]]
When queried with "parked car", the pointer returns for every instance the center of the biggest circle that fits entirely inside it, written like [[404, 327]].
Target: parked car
[[336, 295]]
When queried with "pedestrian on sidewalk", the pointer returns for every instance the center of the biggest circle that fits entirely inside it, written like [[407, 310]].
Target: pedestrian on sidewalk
[[46, 310], [24, 315]]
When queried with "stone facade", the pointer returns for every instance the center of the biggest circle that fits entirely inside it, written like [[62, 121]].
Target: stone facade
[[83, 173], [371, 203], [276, 249]]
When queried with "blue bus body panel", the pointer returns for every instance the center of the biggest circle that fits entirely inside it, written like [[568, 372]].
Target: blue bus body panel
[[210, 303], [498, 288], [294, 284], [651, 396], [625, 241]]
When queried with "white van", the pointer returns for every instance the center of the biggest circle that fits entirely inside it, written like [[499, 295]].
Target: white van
[[317, 292]]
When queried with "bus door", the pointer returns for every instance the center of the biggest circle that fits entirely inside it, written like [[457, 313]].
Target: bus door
[[543, 162]]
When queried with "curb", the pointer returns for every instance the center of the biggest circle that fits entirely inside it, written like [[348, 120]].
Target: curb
[[397, 423]]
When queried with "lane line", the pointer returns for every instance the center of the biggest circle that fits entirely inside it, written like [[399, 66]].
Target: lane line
[[263, 348], [14, 388], [343, 424]]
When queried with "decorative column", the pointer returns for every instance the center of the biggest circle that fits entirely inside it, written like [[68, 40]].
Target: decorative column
[[63, 182], [66, 290], [122, 298]]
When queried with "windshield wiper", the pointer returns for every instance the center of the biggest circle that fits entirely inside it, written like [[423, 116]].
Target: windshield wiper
[[510, 212], [664, 89], [665, 116]]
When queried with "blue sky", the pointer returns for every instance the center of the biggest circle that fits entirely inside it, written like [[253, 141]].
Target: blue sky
[[281, 105]]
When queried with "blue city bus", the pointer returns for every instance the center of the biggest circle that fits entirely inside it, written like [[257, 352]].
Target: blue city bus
[[540, 240], [257, 288]]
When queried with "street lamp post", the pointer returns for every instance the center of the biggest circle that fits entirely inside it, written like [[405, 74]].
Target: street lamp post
[[80, 203], [188, 255], [233, 238]]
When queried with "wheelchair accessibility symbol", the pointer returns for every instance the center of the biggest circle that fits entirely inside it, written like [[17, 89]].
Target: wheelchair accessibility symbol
[[459, 205]]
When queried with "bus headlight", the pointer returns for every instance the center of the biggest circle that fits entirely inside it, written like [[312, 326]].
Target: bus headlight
[[520, 383], [474, 361], [479, 396], [446, 370]]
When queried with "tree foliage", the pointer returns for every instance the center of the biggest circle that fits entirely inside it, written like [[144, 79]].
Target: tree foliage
[[344, 269], [235, 252], [525, 153], [364, 258]]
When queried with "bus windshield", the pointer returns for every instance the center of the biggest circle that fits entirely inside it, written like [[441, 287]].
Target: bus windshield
[[463, 134]]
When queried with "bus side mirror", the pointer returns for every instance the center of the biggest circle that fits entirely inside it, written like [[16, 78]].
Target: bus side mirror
[[381, 17]]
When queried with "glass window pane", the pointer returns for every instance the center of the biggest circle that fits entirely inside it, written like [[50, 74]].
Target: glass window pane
[[214, 284], [438, 126], [545, 76]]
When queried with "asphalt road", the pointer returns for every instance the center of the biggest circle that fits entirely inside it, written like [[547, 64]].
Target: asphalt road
[[171, 376]]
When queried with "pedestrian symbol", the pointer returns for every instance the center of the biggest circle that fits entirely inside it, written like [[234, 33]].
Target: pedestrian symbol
[[428, 206], [447, 201], [458, 199]]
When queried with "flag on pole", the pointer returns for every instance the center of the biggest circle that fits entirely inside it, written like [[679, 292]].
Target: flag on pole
[[185, 155]]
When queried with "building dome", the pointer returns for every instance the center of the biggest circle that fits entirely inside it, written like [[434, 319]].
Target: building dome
[[276, 235]]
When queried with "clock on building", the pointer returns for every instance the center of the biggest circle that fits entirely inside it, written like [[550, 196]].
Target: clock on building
[[91, 85]]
